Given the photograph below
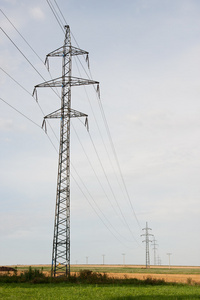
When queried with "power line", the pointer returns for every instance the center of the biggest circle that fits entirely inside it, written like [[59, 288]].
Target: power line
[[22, 54], [65, 22], [20, 113], [60, 12], [103, 144], [27, 59], [111, 189], [97, 207], [40, 109], [111, 142], [101, 135], [99, 181], [21, 36], [31, 96], [55, 15], [49, 2], [25, 40]]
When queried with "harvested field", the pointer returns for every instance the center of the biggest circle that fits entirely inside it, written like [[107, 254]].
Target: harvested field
[[157, 272], [6, 269], [168, 278], [179, 274]]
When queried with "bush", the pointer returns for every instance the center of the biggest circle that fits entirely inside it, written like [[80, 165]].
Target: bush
[[154, 281], [92, 277], [31, 275]]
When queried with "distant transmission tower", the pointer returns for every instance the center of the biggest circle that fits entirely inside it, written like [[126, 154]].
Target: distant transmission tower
[[147, 240], [154, 249], [61, 238]]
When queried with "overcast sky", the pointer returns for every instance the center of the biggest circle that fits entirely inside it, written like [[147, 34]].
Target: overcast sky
[[146, 56]]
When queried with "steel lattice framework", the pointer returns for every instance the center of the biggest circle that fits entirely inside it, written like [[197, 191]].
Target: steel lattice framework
[[147, 240], [61, 238]]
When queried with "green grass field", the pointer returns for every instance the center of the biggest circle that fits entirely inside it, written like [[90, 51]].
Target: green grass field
[[35, 285], [100, 292]]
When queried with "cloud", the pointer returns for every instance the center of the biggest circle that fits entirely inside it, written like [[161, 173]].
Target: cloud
[[37, 13], [5, 124], [10, 1]]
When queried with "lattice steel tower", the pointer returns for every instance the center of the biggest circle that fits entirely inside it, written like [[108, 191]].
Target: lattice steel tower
[[61, 238], [147, 240]]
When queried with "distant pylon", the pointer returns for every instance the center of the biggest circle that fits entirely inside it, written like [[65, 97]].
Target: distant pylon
[[154, 249], [147, 240], [61, 238]]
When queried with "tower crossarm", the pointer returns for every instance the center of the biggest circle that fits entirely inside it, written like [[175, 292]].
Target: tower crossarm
[[74, 51], [73, 81], [58, 114]]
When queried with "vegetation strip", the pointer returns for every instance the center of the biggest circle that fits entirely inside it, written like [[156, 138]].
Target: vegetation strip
[[33, 284]]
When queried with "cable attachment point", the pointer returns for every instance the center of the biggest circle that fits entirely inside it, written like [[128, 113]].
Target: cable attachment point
[[44, 125], [87, 60], [98, 91], [34, 95], [47, 62], [87, 124]]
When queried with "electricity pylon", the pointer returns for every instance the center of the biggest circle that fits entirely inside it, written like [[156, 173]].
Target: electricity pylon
[[147, 240], [169, 254], [61, 238], [154, 249]]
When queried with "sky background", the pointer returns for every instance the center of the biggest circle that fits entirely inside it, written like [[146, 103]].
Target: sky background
[[146, 56]]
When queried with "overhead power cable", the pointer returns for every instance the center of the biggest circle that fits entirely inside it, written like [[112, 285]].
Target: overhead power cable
[[49, 2], [61, 24], [55, 15], [29, 119], [111, 189], [108, 132], [97, 207], [31, 96], [19, 112], [101, 136], [22, 54], [115, 154], [27, 59], [117, 161], [25, 40], [21, 36], [65, 22]]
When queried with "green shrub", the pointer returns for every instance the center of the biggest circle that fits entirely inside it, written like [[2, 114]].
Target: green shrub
[[31, 275], [154, 281], [92, 277]]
